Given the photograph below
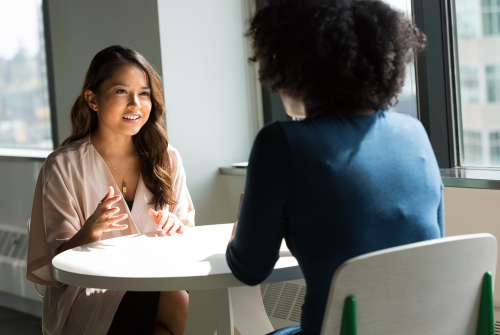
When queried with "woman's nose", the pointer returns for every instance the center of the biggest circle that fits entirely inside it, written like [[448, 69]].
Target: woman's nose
[[134, 101]]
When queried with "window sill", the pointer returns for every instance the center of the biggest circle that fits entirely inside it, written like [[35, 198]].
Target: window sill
[[30, 154], [232, 171], [486, 178]]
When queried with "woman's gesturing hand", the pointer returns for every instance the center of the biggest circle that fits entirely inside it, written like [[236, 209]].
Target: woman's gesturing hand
[[167, 222], [103, 220]]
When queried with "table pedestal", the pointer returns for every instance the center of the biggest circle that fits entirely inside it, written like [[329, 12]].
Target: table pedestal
[[238, 311]]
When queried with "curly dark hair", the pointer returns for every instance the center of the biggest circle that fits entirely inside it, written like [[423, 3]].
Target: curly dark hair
[[334, 53]]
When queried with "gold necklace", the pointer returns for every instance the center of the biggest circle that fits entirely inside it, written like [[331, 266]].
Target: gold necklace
[[124, 184]]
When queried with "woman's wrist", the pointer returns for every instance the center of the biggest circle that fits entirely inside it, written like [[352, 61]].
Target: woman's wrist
[[89, 233]]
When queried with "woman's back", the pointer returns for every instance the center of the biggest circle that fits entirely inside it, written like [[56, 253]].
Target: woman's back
[[350, 178], [335, 186]]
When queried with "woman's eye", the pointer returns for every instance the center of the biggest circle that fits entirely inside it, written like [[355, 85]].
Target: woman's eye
[[121, 91], [145, 93]]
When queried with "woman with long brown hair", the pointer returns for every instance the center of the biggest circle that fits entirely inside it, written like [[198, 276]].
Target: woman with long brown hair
[[115, 175]]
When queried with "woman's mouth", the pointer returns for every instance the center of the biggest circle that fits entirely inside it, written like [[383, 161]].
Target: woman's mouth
[[132, 117]]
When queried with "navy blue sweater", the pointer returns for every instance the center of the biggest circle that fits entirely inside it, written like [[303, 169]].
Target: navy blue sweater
[[335, 186]]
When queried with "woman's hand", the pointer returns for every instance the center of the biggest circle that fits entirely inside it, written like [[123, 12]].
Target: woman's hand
[[103, 220], [167, 222]]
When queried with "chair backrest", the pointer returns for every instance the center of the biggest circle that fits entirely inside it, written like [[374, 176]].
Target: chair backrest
[[40, 289], [431, 287]]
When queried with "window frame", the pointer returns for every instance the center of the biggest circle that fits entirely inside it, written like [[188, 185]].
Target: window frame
[[437, 80], [36, 154]]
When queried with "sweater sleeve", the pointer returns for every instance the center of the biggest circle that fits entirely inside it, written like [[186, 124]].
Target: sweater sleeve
[[262, 219], [440, 213]]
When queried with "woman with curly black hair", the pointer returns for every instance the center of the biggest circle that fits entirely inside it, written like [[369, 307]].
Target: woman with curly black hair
[[352, 177]]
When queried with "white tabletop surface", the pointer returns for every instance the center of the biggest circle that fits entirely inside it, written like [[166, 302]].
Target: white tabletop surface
[[195, 260]]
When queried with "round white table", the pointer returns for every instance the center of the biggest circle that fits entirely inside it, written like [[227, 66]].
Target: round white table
[[193, 261]]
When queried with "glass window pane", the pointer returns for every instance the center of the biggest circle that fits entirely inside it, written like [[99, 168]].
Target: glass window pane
[[24, 98], [487, 24], [479, 86], [469, 84], [467, 25]]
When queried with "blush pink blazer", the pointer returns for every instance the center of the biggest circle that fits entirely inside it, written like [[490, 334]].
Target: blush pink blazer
[[72, 181]]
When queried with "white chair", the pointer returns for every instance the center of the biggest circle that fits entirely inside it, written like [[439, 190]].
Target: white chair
[[437, 287], [40, 289]]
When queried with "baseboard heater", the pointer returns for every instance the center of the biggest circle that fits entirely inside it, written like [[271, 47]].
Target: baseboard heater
[[13, 250]]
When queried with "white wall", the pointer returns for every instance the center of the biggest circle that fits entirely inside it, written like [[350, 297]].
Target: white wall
[[469, 211], [17, 180], [79, 29], [211, 109]]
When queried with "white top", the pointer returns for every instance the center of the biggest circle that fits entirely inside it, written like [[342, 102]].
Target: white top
[[194, 260]]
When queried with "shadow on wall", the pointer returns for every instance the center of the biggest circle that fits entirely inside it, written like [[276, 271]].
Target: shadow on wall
[[218, 200]]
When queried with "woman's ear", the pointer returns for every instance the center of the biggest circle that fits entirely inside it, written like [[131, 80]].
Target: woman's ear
[[91, 99]]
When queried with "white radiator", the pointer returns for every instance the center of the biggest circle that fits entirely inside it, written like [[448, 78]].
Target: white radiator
[[13, 249], [283, 302]]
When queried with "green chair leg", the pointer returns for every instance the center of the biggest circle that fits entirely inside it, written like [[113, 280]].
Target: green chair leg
[[348, 326], [485, 321]]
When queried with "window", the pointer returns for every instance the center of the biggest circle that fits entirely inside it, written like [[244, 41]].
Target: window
[[467, 18], [495, 148], [491, 16], [493, 83], [477, 56], [25, 121], [473, 149], [469, 84]]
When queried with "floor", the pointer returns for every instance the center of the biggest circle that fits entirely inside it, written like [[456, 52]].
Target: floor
[[17, 323]]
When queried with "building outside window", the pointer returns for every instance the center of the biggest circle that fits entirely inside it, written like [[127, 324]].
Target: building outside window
[[495, 148], [24, 96], [479, 72], [493, 83], [469, 84], [473, 149], [491, 17], [467, 18]]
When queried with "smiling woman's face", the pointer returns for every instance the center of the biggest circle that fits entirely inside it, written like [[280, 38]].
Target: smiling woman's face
[[123, 102]]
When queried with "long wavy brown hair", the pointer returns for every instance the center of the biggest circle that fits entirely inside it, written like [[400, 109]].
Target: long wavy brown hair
[[151, 142]]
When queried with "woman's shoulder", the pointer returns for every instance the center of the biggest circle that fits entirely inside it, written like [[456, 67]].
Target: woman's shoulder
[[275, 130], [175, 157], [173, 152], [400, 118], [67, 153]]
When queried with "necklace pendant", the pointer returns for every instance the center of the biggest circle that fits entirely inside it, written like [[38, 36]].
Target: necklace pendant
[[124, 187]]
